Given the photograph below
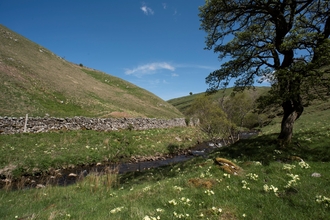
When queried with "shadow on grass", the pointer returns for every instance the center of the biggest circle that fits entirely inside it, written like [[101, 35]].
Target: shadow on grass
[[265, 149], [262, 148]]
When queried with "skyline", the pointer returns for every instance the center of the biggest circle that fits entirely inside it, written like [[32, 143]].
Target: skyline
[[156, 45]]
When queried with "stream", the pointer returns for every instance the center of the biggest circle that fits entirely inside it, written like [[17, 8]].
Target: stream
[[70, 176]]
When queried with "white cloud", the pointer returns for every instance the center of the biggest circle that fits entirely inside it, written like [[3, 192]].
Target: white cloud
[[149, 68], [146, 10], [174, 75]]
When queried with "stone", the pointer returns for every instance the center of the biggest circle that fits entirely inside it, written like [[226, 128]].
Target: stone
[[13, 125], [39, 186], [316, 175]]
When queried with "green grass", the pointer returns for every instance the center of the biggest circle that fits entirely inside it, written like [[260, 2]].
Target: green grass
[[171, 192], [35, 81], [273, 184], [183, 103], [39, 152]]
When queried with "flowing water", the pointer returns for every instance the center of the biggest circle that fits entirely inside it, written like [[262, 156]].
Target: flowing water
[[70, 176]]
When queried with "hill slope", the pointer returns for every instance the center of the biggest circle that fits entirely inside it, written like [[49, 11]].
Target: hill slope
[[34, 80], [183, 103]]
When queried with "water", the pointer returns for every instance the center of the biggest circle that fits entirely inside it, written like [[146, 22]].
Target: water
[[70, 176]]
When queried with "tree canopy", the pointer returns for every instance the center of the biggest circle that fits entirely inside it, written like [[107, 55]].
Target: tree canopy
[[286, 41], [213, 120]]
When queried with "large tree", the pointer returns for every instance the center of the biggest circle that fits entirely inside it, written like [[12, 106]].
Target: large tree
[[287, 40]]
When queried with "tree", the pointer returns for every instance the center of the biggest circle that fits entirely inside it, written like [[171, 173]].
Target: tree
[[285, 39], [237, 106], [213, 120]]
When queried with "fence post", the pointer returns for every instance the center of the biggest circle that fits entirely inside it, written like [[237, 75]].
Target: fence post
[[25, 124]]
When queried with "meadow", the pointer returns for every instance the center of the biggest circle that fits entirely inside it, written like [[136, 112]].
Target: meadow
[[271, 183]]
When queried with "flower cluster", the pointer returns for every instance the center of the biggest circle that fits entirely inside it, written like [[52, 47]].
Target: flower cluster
[[292, 182], [322, 199], [92, 148], [178, 188], [207, 174], [252, 176], [271, 188], [213, 210], [115, 210], [288, 167], [113, 195], [146, 189], [159, 210], [257, 163], [304, 165], [183, 200], [173, 202], [209, 192], [179, 215], [245, 185], [150, 218], [226, 175]]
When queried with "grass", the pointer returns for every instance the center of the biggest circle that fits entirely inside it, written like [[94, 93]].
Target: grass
[[272, 183], [183, 103], [35, 81], [30, 153], [173, 193]]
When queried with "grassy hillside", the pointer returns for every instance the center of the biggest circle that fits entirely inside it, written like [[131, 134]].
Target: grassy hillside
[[34, 80], [272, 183], [183, 103]]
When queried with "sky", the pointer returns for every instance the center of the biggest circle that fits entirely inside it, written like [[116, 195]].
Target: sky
[[154, 44]]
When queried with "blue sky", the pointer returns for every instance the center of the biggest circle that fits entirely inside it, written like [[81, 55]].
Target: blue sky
[[154, 44]]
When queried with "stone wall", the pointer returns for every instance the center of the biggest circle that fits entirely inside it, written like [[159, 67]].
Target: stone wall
[[13, 125]]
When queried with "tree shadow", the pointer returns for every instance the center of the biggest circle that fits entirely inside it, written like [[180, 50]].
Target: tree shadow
[[264, 149]]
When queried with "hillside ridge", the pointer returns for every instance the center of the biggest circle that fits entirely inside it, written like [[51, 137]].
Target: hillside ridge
[[37, 82]]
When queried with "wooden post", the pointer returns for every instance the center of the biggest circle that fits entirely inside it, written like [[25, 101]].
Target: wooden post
[[25, 124]]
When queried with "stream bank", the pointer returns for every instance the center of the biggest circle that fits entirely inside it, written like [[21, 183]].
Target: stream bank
[[68, 176]]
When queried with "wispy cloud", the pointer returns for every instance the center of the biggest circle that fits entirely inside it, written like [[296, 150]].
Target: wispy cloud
[[146, 10], [149, 68], [164, 5], [174, 75]]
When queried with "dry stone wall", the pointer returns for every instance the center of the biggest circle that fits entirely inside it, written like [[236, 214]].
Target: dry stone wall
[[14, 125]]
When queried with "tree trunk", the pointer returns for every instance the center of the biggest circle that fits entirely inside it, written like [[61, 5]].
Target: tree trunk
[[292, 111]]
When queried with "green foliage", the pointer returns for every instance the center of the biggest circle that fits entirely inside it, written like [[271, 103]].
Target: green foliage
[[213, 120], [286, 41], [237, 106], [184, 103]]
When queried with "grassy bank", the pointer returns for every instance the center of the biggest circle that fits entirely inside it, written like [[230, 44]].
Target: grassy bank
[[198, 189], [271, 183], [28, 153]]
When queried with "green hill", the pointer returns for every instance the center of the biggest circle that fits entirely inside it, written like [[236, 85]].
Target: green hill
[[35, 81], [183, 103]]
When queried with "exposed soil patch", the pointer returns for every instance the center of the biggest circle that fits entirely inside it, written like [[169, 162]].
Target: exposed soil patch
[[120, 115]]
